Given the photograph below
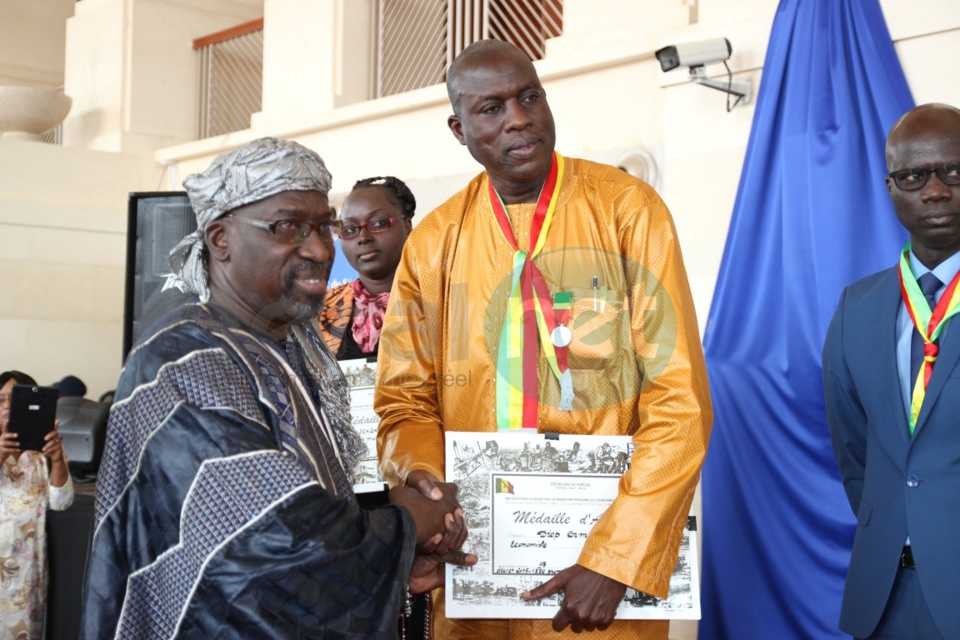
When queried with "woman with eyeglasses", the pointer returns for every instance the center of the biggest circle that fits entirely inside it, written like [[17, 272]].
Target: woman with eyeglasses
[[375, 222], [31, 482]]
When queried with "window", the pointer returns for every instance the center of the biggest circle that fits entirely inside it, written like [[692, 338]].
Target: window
[[416, 40]]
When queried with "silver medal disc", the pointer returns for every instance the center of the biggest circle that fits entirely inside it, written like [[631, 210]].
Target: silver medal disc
[[561, 336]]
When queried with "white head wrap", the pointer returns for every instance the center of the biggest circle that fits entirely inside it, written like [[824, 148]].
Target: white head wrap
[[255, 171]]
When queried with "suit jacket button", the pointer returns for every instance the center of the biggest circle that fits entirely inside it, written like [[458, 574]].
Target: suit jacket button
[[913, 481]]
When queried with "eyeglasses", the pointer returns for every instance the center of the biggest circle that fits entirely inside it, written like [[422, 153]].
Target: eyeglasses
[[291, 231], [377, 225], [914, 178]]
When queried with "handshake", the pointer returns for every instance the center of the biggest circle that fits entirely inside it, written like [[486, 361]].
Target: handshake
[[441, 530]]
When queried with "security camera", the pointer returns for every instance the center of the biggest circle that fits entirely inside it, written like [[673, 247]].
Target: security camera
[[697, 54], [694, 54]]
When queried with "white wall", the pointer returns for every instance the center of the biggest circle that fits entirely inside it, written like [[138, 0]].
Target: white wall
[[32, 41], [132, 72], [62, 251]]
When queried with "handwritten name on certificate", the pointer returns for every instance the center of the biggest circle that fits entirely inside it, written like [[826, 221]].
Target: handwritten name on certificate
[[361, 378], [530, 504], [540, 521]]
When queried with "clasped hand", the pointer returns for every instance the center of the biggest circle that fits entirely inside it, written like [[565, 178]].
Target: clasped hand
[[441, 530]]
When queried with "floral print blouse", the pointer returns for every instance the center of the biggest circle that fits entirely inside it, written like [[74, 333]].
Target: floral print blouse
[[25, 496]]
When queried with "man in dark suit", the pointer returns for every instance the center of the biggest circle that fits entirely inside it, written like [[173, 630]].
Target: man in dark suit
[[893, 399]]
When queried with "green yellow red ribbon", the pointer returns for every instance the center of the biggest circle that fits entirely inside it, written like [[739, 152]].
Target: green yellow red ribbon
[[529, 315], [929, 323]]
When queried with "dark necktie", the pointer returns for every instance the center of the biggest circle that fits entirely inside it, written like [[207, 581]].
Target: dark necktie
[[929, 284]]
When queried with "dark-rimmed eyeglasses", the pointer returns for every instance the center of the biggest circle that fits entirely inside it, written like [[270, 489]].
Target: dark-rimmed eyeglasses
[[292, 231], [914, 178], [377, 225]]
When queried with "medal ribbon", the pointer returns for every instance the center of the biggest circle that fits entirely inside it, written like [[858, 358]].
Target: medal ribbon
[[529, 315], [929, 323]]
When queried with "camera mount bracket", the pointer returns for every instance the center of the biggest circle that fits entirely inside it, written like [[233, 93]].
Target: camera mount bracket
[[743, 90]]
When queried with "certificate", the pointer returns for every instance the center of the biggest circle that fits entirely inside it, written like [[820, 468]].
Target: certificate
[[530, 503], [361, 378]]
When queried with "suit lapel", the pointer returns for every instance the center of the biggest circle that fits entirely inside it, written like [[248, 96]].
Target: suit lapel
[[886, 340]]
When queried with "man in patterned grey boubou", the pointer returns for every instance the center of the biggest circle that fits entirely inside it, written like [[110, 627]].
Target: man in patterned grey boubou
[[224, 502]]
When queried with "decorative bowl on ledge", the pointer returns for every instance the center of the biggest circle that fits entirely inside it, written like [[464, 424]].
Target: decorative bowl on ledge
[[27, 112]]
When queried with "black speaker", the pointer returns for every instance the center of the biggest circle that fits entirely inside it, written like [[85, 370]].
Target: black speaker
[[156, 223]]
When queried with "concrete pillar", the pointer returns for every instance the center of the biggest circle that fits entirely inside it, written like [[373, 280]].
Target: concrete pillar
[[317, 56], [132, 72]]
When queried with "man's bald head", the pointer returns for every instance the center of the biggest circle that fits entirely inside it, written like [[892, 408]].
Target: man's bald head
[[921, 120], [479, 51]]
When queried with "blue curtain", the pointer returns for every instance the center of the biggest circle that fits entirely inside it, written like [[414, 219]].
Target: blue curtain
[[812, 215]]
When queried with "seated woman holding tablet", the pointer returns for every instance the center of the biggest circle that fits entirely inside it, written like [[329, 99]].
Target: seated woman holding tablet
[[31, 481]]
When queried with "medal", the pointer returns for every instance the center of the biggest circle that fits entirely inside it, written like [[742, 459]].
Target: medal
[[561, 336]]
